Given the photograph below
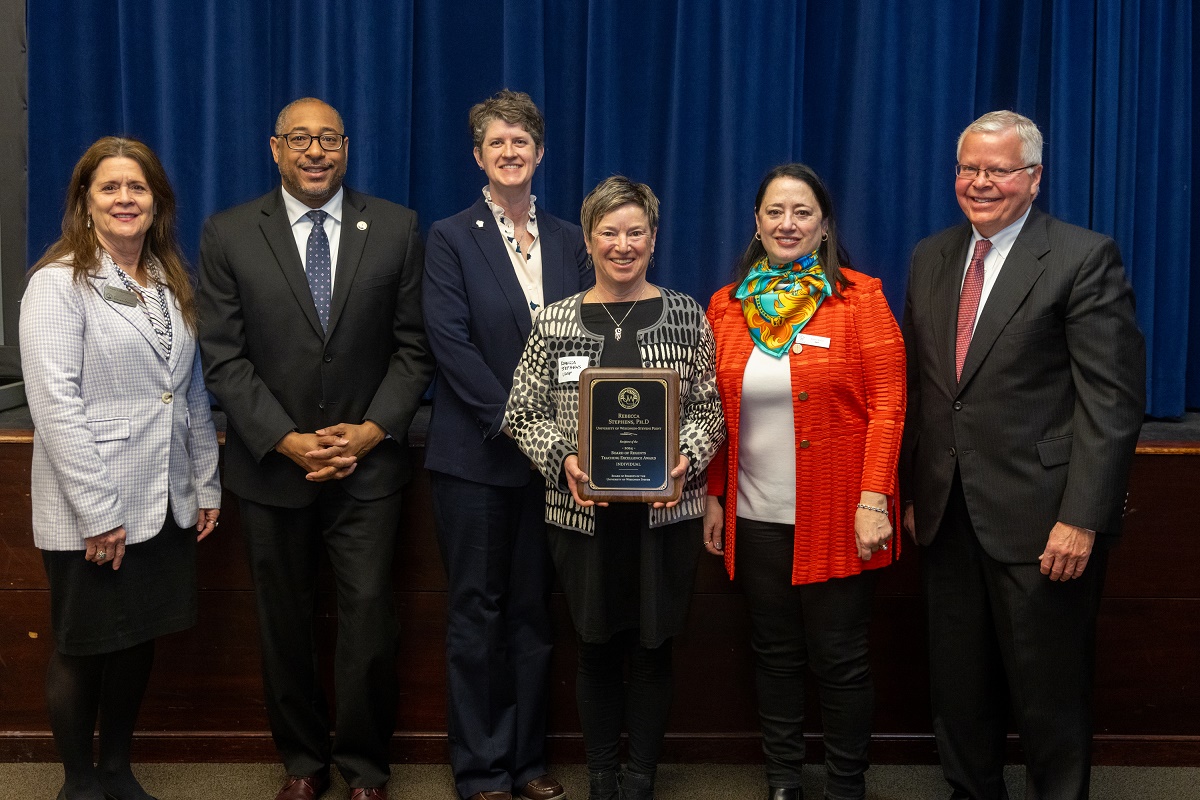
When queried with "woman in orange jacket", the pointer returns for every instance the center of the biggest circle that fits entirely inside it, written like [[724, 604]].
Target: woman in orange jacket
[[802, 496]]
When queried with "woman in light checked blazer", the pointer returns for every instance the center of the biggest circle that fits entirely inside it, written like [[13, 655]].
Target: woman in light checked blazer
[[124, 477]]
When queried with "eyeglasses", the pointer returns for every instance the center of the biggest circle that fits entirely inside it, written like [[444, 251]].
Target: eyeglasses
[[301, 141], [994, 174]]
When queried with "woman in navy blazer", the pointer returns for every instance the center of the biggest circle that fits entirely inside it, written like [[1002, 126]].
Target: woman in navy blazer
[[124, 476], [489, 271]]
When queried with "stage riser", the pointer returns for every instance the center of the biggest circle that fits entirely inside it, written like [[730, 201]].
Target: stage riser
[[204, 702]]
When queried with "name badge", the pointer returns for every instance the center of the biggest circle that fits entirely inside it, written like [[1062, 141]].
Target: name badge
[[815, 341], [122, 296], [569, 368]]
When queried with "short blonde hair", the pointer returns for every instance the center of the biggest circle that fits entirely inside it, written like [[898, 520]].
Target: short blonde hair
[[612, 193]]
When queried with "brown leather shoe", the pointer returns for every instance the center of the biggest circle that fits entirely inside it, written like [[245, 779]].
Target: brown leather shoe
[[543, 788], [306, 787], [491, 796], [369, 793]]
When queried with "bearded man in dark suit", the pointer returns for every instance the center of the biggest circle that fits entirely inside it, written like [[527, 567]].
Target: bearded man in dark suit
[[1026, 396], [313, 344]]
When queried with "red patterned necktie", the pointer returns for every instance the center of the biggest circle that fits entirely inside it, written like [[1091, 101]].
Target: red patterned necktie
[[968, 304]]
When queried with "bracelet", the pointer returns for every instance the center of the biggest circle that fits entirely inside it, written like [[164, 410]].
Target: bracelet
[[873, 508]]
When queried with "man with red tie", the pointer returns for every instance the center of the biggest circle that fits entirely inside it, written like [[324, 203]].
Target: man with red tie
[[1026, 376]]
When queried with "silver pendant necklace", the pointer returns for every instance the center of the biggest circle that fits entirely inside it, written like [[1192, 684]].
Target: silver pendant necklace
[[617, 332]]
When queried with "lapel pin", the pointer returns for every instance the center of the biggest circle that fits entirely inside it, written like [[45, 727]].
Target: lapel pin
[[478, 223], [362, 225]]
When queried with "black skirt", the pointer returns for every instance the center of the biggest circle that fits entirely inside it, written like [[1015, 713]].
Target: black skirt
[[95, 609], [628, 575]]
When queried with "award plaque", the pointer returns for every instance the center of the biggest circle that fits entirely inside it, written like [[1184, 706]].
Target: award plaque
[[629, 434]]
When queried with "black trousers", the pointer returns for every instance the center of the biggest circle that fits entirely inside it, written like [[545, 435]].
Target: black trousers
[[821, 626], [1005, 637], [605, 700], [284, 545], [498, 637]]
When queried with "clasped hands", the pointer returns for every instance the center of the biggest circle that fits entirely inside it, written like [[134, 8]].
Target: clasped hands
[[331, 453]]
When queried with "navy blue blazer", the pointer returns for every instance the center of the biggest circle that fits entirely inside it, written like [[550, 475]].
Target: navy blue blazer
[[477, 320]]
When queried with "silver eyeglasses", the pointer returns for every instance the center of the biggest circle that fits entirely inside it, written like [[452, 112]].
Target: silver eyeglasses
[[994, 174]]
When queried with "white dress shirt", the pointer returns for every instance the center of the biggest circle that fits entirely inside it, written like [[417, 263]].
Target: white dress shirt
[[302, 226], [527, 266], [993, 262]]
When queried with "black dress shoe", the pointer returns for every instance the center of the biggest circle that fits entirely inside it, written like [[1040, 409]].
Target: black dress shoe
[[775, 793]]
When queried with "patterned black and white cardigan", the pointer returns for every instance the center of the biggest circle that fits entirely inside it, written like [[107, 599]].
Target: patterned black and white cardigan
[[543, 414]]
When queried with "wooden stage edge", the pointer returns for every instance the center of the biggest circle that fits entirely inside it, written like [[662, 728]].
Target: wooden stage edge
[[204, 703], [241, 747]]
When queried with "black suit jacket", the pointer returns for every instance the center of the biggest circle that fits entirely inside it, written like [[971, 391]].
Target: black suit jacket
[[272, 368], [1044, 422], [478, 320]]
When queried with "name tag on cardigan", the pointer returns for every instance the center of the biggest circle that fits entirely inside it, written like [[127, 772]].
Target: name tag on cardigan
[[569, 368], [125, 298]]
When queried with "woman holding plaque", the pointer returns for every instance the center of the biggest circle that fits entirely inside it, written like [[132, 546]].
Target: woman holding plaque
[[626, 568], [802, 497], [489, 270]]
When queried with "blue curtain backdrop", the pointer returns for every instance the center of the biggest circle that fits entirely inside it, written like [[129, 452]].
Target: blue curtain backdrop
[[698, 99]]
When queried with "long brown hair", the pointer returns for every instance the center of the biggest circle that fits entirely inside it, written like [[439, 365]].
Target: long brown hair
[[78, 245], [830, 252]]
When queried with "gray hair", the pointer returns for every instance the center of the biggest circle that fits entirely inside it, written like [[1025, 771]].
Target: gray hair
[[283, 113], [1000, 121]]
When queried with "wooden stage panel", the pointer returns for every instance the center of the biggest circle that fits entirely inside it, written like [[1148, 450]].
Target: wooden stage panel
[[204, 700], [1152, 560]]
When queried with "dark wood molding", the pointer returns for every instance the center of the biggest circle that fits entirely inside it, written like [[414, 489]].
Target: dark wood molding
[[204, 702]]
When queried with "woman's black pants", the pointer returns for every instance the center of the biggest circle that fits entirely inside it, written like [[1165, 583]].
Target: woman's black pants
[[821, 626]]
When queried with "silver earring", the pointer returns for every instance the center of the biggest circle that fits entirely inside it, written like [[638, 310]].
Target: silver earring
[[825, 237], [758, 236], [89, 222]]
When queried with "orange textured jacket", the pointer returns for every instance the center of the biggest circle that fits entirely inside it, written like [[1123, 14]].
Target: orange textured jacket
[[849, 416]]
